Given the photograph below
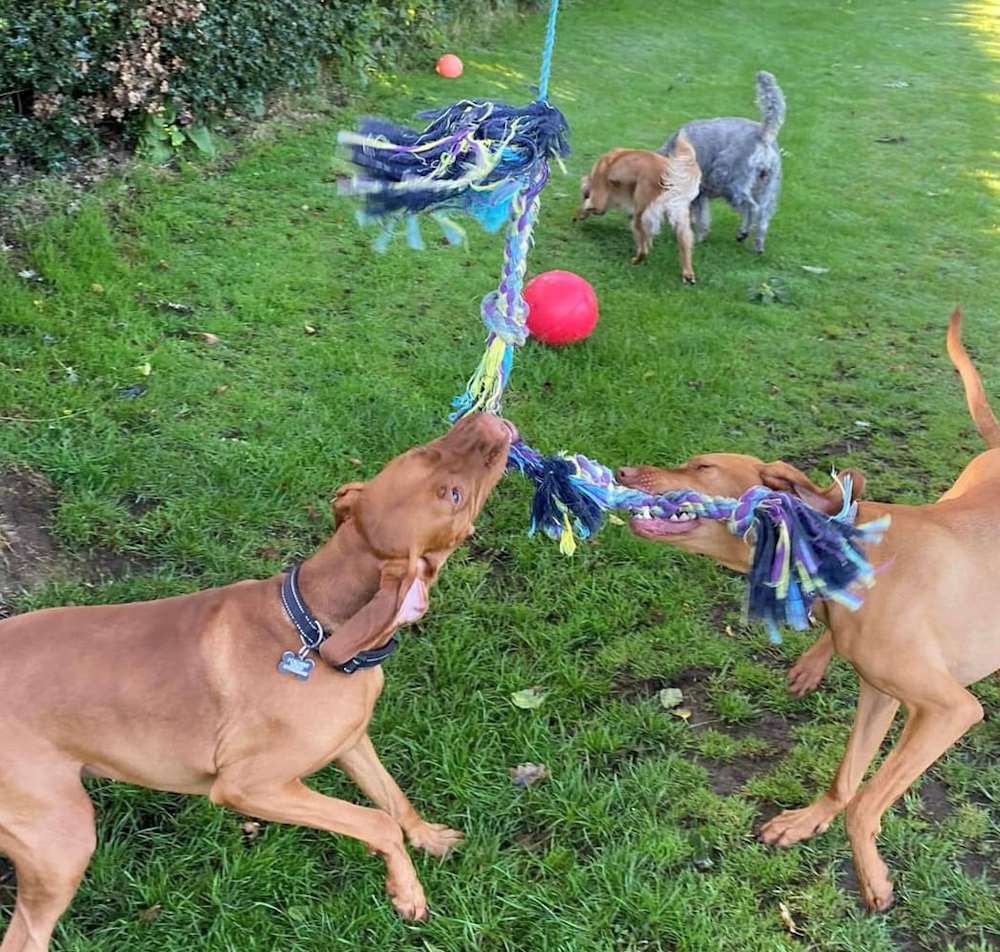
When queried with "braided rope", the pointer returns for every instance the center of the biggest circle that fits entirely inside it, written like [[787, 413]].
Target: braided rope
[[547, 51]]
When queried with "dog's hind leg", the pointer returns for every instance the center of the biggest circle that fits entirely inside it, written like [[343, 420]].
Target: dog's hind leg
[[363, 766], [643, 242], [747, 208], [685, 248], [701, 217], [874, 714], [939, 712], [767, 205], [47, 829]]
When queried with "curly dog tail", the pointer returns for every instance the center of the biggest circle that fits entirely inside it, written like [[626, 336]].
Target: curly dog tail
[[771, 102], [975, 395]]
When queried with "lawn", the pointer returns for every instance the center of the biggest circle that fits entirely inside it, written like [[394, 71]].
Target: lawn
[[330, 359]]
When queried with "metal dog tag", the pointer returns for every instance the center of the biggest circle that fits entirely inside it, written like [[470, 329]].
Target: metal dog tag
[[292, 664]]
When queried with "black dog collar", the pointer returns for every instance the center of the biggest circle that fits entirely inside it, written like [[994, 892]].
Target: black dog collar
[[312, 635]]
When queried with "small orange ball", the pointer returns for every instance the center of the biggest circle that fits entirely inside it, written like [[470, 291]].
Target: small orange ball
[[449, 66]]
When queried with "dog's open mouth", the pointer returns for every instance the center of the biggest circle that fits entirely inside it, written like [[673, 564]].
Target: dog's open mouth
[[647, 526]]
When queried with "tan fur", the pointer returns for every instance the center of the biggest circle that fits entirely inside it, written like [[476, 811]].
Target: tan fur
[[929, 628], [183, 694], [650, 187]]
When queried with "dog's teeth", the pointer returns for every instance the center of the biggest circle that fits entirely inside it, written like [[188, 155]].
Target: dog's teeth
[[676, 517]]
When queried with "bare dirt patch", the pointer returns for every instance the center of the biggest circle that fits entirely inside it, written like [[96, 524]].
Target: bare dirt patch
[[725, 777], [28, 553], [730, 776], [934, 799]]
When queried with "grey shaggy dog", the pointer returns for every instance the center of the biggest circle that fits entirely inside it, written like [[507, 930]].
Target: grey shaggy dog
[[740, 162]]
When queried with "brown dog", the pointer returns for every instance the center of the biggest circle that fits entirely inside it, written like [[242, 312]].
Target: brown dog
[[927, 630], [650, 187], [183, 694]]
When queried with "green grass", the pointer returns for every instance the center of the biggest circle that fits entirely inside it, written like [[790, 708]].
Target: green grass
[[627, 846]]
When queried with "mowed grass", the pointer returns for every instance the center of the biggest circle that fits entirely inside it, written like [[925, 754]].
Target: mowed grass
[[643, 837]]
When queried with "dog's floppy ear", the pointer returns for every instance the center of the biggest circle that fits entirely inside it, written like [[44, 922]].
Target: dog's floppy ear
[[786, 478], [343, 502], [401, 599]]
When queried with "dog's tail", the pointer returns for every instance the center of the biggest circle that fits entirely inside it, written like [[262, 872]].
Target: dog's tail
[[975, 395], [679, 187], [771, 102]]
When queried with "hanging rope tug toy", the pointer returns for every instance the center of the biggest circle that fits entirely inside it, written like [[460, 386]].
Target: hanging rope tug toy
[[491, 160]]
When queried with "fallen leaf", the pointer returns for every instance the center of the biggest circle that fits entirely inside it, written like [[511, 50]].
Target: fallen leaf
[[786, 919], [683, 713], [97, 288], [670, 697], [648, 374], [220, 390], [309, 329], [896, 84], [615, 520], [354, 461], [529, 698], [729, 631], [250, 830], [208, 338], [524, 775], [27, 274], [162, 264], [813, 269], [862, 424], [890, 140], [148, 915], [145, 369]]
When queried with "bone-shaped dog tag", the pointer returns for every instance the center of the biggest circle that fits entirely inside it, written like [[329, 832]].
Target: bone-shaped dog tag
[[292, 664]]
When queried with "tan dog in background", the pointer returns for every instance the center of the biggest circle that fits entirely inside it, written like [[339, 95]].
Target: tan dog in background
[[929, 628], [651, 188], [182, 694]]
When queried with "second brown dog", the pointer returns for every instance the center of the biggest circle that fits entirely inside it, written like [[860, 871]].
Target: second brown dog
[[926, 631], [650, 187]]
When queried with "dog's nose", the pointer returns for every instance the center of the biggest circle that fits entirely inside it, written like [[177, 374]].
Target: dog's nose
[[626, 473]]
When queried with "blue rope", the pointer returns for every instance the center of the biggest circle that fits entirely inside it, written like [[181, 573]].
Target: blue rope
[[547, 50]]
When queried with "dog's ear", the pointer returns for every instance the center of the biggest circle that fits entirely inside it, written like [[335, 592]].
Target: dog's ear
[[343, 502], [401, 599], [786, 478]]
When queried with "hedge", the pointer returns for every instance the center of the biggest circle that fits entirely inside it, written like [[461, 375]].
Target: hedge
[[74, 73]]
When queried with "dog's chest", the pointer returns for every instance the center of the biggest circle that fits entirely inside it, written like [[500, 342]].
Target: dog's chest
[[313, 722]]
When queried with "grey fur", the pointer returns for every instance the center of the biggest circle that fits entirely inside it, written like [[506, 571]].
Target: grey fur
[[740, 162]]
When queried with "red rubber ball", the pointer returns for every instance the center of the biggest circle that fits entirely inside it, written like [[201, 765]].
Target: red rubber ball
[[449, 66], [562, 308]]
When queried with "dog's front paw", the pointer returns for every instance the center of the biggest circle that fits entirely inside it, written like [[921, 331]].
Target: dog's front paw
[[806, 674], [793, 826], [742, 235], [689, 278], [434, 838], [876, 887], [407, 897], [638, 259]]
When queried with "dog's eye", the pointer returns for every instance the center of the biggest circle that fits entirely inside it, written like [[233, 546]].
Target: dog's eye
[[703, 466], [456, 495]]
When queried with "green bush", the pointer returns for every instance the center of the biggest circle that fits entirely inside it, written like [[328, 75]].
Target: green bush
[[74, 73]]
